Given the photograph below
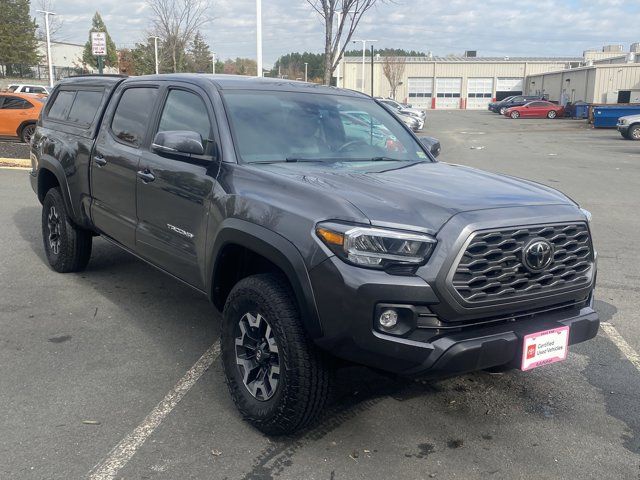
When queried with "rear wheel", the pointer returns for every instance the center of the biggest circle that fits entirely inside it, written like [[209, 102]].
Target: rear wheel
[[278, 380], [552, 114], [515, 114], [634, 132], [67, 247], [27, 132]]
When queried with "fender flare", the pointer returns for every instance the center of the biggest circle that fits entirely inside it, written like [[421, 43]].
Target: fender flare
[[45, 163], [278, 250]]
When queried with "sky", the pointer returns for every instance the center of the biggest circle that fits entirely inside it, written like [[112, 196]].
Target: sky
[[492, 27]]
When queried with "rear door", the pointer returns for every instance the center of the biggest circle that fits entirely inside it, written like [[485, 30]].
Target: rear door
[[14, 111], [174, 191], [114, 162]]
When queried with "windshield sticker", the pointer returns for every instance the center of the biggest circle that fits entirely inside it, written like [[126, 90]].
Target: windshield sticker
[[421, 155]]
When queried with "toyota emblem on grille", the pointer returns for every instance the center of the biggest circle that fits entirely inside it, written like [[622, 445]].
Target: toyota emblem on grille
[[537, 255]]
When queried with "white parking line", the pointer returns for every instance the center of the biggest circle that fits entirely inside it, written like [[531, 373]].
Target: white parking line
[[123, 451], [626, 349]]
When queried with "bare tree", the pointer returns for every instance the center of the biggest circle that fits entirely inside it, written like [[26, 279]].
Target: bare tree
[[176, 23], [55, 22], [393, 68], [336, 40]]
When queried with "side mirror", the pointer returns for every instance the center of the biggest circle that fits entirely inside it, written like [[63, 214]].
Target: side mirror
[[431, 144], [178, 142]]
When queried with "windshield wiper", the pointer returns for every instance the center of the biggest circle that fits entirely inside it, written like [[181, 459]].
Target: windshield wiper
[[289, 160]]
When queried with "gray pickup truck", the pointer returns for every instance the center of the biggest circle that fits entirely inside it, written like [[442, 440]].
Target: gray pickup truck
[[319, 225]]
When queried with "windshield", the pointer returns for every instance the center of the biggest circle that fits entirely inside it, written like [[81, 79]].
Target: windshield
[[278, 126]]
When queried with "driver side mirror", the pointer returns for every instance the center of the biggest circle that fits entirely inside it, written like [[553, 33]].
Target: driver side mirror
[[178, 142], [431, 144]]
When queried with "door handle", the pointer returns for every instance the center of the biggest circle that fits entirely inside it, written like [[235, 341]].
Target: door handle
[[146, 175], [100, 161]]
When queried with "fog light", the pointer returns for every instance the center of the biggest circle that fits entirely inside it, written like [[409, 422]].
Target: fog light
[[388, 319]]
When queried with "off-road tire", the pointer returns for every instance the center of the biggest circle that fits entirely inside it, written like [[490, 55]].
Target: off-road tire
[[72, 248], [305, 377]]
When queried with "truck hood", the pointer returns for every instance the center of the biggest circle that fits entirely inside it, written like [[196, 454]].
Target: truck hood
[[419, 196]]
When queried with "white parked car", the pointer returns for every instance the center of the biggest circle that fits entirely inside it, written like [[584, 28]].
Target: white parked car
[[26, 88], [629, 127], [414, 112]]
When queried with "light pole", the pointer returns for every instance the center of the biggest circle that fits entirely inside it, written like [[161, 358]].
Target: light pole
[[259, 35], [305, 70], [46, 27], [364, 51], [155, 49], [213, 60]]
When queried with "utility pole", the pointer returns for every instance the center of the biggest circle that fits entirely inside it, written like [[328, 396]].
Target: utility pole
[[306, 65], [213, 60], [46, 27], [364, 51], [155, 48], [259, 36]]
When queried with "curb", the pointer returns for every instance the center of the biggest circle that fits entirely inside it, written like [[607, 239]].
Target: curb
[[15, 162]]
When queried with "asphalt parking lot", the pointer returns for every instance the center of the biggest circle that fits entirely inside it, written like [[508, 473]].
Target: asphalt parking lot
[[86, 358]]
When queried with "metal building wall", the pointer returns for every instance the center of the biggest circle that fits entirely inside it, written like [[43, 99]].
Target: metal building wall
[[352, 68]]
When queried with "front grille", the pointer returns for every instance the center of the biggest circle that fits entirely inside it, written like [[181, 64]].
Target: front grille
[[491, 269]]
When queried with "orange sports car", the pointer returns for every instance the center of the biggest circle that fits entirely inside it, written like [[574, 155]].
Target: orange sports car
[[19, 113]]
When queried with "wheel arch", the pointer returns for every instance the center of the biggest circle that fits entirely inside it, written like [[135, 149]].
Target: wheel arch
[[50, 175], [24, 124], [242, 248]]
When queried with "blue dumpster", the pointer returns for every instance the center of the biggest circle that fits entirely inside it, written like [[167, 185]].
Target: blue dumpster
[[606, 116], [581, 110]]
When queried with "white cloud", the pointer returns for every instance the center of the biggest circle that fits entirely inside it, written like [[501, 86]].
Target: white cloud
[[493, 27]]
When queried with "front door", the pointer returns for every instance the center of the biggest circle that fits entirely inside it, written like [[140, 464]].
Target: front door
[[174, 191], [114, 164]]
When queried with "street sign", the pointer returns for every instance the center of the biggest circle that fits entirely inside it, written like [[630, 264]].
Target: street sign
[[99, 43]]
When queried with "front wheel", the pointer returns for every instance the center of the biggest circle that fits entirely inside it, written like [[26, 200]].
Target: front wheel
[[515, 114], [634, 132], [552, 114], [278, 380], [68, 248], [502, 110]]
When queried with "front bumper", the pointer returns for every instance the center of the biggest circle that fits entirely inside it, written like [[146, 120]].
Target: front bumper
[[622, 128], [347, 297]]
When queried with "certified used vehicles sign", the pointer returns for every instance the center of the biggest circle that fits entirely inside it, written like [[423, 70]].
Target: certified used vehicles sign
[[543, 348]]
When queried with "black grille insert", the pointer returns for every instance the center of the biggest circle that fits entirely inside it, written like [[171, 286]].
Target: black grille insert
[[491, 268]]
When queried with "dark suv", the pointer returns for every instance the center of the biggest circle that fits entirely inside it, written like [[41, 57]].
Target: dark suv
[[320, 226]]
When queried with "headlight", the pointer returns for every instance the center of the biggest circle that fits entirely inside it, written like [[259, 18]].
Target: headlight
[[622, 121], [587, 214], [376, 247]]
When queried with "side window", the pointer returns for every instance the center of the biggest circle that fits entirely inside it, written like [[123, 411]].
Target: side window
[[132, 114], [61, 105], [85, 107], [185, 111], [15, 103]]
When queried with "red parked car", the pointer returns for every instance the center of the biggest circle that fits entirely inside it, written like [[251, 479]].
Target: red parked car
[[536, 109]]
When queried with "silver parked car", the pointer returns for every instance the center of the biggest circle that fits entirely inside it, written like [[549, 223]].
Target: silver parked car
[[415, 112], [629, 127]]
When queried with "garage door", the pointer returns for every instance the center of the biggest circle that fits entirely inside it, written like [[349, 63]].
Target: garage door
[[479, 93], [448, 92], [505, 87], [420, 91]]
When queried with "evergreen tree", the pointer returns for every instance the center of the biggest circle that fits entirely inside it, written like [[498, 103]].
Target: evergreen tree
[[18, 44], [199, 57], [111, 60]]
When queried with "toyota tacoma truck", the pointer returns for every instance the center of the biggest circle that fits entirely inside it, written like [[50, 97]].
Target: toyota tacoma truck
[[317, 238]]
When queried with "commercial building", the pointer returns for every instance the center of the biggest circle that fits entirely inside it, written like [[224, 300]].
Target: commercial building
[[471, 82]]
